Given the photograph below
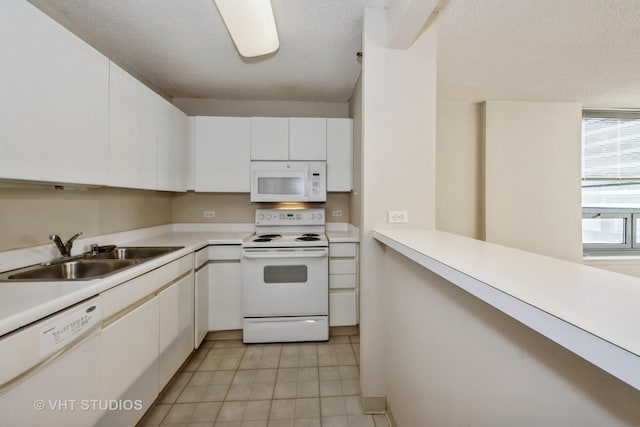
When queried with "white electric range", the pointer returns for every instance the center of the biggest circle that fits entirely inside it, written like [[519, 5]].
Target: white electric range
[[285, 276]]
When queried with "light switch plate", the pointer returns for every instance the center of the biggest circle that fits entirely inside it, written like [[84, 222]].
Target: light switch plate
[[208, 214], [336, 212]]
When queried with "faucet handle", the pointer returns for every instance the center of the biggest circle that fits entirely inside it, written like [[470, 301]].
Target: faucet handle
[[75, 236]]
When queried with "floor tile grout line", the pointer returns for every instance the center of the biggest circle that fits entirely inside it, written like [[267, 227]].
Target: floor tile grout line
[[316, 366]]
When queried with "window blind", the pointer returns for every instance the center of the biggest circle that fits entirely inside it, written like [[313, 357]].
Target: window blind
[[610, 144]]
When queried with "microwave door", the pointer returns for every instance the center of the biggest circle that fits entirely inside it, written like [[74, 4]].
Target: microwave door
[[280, 187]]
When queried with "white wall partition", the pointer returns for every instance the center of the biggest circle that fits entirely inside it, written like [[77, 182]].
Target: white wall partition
[[398, 168], [532, 177]]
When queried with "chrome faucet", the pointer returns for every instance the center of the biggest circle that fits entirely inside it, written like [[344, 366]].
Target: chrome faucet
[[64, 248]]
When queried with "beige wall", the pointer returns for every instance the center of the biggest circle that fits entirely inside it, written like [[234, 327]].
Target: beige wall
[[532, 177], [29, 215], [398, 168], [222, 107], [453, 360], [460, 169], [355, 112], [236, 207], [509, 172]]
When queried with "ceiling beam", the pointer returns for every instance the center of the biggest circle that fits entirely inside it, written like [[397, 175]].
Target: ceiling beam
[[406, 19]]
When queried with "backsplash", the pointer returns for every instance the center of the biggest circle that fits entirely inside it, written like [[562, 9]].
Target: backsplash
[[236, 207], [29, 215]]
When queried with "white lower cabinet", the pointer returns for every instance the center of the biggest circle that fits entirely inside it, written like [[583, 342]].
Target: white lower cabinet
[[129, 362], [147, 334], [343, 284], [225, 288], [176, 327], [201, 296]]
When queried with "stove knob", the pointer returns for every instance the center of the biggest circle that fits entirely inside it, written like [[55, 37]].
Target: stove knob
[[319, 216], [261, 217], [313, 216], [268, 217]]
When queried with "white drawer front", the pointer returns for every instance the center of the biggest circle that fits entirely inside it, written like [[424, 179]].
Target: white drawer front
[[342, 308], [342, 250], [224, 252], [342, 281], [342, 266]]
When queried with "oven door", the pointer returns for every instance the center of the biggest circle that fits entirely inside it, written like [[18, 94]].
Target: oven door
[[285, 282]]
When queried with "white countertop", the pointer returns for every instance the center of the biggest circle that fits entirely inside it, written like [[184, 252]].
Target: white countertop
[[590, 311], [25, 302], [342, 233]]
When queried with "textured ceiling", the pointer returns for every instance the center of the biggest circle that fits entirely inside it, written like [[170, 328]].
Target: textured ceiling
[[182, 47], [548, 50]]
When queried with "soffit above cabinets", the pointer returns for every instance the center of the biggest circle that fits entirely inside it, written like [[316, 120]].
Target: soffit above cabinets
[[184, 50]]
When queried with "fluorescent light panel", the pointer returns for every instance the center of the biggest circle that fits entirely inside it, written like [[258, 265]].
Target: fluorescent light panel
[[251, 25]]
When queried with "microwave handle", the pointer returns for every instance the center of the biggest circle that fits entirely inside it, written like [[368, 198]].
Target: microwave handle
[[306, 184]]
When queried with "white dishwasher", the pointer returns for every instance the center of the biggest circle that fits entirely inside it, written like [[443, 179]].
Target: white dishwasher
[[49, 370]]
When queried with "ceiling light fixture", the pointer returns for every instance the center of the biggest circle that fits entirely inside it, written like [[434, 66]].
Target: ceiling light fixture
[[251, 25]]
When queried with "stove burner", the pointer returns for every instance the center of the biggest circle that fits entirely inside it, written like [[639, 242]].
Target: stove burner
[[306, 238], [262, 239], [310, 235], [269, 236]]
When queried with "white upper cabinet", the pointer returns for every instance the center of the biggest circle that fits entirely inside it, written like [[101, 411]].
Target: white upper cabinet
[[269, 138], [339, 154], [222, 154], [172, 148], [54, 102], [133, 108], [307, 138], [277, 138]]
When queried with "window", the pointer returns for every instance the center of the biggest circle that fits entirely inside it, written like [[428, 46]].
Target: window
[[611, 182]]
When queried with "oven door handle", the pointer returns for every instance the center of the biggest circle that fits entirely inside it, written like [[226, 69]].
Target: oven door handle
[[320, 253]]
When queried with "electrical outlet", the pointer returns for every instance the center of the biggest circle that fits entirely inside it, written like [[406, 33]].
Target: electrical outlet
[[208, 214], [394, 217], [336, 212]]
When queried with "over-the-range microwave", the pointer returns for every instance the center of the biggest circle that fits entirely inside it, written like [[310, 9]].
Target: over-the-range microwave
[[291, 181]]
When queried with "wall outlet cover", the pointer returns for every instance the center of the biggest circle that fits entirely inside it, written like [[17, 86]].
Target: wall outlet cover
[[396, 217]]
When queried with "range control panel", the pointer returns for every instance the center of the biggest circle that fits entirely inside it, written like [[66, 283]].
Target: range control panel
[[314, 216]]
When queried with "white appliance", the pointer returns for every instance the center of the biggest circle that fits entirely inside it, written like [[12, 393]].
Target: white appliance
[[288, 181], [49, 373], [285, 277]]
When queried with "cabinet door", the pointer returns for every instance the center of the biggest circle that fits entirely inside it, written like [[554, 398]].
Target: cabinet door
[[129, 361], [133, 112], [342, 308], [222, 159], [172, 148], [307, 138], [225, 296], [339, 155], [269, 138], [54, 103], [202, 304], [176, 327]]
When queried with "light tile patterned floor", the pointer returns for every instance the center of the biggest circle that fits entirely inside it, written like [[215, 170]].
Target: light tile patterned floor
[[230, 384]]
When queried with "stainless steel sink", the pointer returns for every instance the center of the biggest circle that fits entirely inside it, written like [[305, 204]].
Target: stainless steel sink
[[87, 266], [81, 269], [132, 252]]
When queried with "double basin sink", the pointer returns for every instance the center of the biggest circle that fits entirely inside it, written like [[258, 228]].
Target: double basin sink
[[87, 266]]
